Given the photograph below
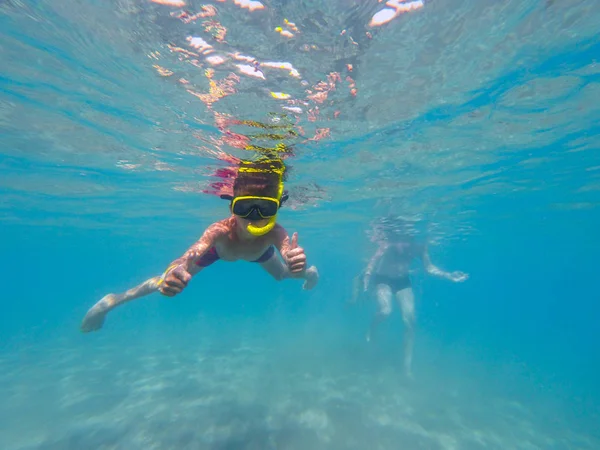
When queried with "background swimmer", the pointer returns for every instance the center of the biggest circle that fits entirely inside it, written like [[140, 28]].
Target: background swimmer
[[389, 272]]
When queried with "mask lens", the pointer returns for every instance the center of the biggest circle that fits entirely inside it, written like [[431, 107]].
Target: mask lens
[[255, 208]]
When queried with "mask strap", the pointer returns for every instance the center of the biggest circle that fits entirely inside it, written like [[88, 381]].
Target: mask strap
[[283, 198]]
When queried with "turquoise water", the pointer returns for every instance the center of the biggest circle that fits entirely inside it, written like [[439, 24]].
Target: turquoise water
[[478, 119]]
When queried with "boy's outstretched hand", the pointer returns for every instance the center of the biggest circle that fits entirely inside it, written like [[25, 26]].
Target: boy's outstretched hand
[[175, 281], [295, 258]]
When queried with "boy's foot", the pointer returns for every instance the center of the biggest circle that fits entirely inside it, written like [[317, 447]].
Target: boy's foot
[[312, 278], [94, 319]]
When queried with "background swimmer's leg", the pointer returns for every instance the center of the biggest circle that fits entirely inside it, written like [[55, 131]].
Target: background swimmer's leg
[[384, 305], [94, 319], [406, 299], [356, 285]]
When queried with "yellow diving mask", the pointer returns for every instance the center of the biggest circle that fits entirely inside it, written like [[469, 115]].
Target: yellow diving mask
[[256, 208]]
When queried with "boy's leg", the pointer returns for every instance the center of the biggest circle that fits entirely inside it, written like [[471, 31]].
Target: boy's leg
[[384, 307], [406, 300]]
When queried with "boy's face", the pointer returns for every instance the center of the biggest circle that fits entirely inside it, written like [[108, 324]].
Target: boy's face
[[255, 215]]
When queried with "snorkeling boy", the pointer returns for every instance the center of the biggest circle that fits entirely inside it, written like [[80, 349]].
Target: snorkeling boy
[[250, 233]]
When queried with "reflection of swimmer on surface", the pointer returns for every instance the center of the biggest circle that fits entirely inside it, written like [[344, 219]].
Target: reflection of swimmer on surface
[[250, 233], [388, 271], [278, 129]]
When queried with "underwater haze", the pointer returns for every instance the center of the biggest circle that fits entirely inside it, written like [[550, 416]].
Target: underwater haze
[[476, 121]]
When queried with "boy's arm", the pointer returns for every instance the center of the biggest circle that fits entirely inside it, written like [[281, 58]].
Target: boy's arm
[[293, 255], [294, 260], [369, 270], [181, 270], [189, 259], [172, 281]]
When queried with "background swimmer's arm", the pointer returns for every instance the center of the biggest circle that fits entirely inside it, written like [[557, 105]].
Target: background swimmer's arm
[[429, 267], [369, 270], [436, 271]]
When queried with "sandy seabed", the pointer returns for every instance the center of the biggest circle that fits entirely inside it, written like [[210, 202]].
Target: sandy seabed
[[121, 391]]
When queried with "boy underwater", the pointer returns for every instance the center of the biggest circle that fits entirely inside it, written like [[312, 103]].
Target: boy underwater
[[251, 233]]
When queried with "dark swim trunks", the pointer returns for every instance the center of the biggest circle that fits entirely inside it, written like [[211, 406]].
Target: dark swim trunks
[[212, 256], [395, 283]]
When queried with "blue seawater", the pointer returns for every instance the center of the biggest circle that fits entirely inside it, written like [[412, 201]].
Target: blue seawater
[[479, 121]]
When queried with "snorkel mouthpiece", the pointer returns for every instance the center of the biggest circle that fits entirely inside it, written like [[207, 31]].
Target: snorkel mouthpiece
[[261, 231]]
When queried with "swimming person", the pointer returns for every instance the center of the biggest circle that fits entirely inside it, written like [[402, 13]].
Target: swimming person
[[251, 233], [389, 272]]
